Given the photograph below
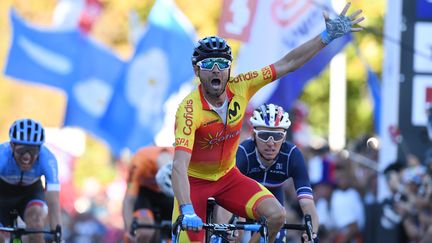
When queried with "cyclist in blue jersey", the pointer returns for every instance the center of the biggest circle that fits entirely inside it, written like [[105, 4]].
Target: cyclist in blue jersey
[[23, 161], [270, 159]]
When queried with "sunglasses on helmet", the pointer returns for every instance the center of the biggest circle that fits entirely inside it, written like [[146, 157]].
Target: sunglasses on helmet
[[265, 135], [208, 63], [33, 150]]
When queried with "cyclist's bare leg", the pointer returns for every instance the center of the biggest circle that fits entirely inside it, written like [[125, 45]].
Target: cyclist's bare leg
[[144, 235], [34, 218], [275, 215]]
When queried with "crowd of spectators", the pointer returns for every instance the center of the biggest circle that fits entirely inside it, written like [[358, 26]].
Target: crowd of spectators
[[345, 188]]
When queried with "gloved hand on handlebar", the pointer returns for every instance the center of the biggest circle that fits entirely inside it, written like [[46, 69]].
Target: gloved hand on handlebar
[[190, 221]]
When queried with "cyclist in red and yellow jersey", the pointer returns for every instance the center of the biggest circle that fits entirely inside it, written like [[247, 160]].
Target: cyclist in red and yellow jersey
[[144, 199], [207, 132]]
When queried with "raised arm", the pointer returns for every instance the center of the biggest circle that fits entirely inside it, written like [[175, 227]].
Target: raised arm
[[335, 28]]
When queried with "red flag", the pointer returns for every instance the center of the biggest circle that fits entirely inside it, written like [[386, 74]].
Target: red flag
[[428, 95], [237, 19]]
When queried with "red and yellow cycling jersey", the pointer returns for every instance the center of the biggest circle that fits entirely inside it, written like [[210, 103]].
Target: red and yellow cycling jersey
[[143, 169], [198, 128]]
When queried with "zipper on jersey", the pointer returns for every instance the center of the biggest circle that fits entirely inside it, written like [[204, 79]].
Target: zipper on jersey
[[265, 177], [20, 183]]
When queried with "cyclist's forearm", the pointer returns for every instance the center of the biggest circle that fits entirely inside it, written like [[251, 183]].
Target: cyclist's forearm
[[308, 207], [180, 182], [54, 215]]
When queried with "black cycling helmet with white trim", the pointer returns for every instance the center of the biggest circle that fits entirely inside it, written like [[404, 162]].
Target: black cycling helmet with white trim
[[270, 115], [163, 179], [210, 47], [27, 131]]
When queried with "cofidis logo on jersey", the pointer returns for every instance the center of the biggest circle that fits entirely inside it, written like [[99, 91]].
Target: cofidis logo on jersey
[[217, 139], [188, 115], [245, 76]]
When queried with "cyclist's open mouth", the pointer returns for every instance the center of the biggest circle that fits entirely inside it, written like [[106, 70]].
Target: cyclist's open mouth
[[25, 164], [216, 83]]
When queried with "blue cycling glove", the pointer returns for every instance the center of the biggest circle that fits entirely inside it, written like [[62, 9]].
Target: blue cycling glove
[[190, 221], [335, 28]]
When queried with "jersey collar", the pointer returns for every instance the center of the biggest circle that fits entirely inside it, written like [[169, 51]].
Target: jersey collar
[[206, 105]]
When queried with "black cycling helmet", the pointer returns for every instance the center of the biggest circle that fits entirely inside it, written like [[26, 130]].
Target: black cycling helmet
[[211, 46], [27, 131]]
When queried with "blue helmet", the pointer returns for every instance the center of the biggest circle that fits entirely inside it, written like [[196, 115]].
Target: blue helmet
[[27, 131], [211, 46]]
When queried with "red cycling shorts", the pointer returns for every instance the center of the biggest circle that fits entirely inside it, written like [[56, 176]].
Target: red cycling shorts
[[234, 191]]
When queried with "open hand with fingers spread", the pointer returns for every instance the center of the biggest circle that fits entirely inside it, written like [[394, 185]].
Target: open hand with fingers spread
[[340, 25]]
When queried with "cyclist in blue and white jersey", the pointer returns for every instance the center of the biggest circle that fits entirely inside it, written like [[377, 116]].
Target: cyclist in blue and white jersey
[[271, 160], [23, 161]]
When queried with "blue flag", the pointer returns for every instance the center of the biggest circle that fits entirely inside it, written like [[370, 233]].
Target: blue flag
[[375, 90], [41, 55], [160, 65], [85, 70], [291, 86]]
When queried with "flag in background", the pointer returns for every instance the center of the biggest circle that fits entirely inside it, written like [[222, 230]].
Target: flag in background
[[375, 90], [70, 14], [97, 74], [84, 69], [89, 15], [278, 28], [42, 55], [160, 65], [67, 13], [236, 19]]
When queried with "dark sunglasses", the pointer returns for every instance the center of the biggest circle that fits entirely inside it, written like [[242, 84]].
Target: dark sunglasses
[[265, 135], [20, 149], [208, 63]]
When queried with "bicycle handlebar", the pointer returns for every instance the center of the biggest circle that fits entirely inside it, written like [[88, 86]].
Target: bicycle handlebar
[[18, 232], [226, 227], [135, 225], [262, 228]]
